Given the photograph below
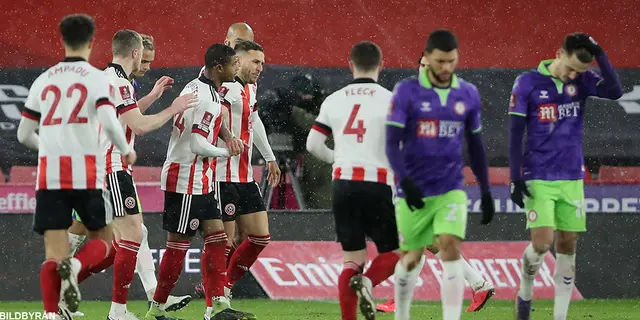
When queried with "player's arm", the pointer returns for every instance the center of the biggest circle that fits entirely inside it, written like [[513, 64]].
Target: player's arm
[[161, 85], [476, 148], [30, 120], [317, 137], [260, 137], [518, 109], [607, 85], [141, 124], [110, 125], [202, 126]]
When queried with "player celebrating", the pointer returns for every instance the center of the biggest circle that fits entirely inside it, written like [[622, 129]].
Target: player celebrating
[[187, 179], [482, 290], [547, 178], [73, 96], [427, 119], [127, 56], [362, 196]]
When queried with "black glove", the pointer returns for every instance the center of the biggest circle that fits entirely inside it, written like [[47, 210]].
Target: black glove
[[488, 208], [518, 189], [587, 42], [412, 194]]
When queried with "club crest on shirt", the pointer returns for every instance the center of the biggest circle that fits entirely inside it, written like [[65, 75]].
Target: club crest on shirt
[[460, 108], [223, 92], [571, 90], [112, 91]]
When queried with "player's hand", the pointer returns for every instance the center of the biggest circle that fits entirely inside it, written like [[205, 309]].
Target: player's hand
[[518, 190], [584, 40], [184, 102], [164, 83], [273, 175], [130, 158], [488, 208], [412, 194], [235, 146]]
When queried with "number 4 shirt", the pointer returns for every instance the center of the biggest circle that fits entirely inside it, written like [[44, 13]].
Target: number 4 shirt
[[355, 115]]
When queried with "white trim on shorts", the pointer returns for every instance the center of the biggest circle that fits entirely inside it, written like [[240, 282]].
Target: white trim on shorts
[[184, 214]]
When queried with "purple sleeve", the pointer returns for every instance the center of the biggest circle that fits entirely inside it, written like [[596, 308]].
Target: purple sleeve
[[394, 151], [518, 105], [476, 147], [516, 133], [607, 85], [396, 121]]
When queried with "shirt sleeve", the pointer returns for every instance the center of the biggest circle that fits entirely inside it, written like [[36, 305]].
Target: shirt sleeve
[[518, 102], [32, 104], [591, 80], [204, 116], [125, 96], [474, 120], [322, 123], [398, 107]]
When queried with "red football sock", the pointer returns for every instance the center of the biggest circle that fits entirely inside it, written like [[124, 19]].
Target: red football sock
[[203, 268], [104, 264], [382, 267], [348, 298], [214, 277], [170, 269], [123, 270], [228, 252], [50, 285], [92, 253], [244, 257]]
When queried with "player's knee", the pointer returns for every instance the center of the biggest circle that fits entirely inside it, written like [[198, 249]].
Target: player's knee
[[541, 247], [566, 243], [133, 233]]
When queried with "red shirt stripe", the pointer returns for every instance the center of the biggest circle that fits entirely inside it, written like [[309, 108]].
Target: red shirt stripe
[[382, 175], [243, 169], [90, 169], [66, 173], [42, 173], [205, 179], [358, 174], [192, 173], [172, 176]]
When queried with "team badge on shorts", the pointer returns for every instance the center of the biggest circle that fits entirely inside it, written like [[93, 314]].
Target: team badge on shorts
[[230, 209], [532, 216], [130, 202], [194, 224], [460, 108], [571, 90]]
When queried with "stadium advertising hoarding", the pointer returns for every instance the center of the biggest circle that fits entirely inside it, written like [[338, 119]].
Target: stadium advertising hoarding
[[599, 198], [309, 270]]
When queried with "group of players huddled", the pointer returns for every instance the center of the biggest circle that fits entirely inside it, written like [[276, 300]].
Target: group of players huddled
[[397, 170]]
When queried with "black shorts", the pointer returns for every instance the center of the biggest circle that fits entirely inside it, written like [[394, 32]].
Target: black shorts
[[124, 195], [184, 213], [54, 207], [237, 198], [361, 209]]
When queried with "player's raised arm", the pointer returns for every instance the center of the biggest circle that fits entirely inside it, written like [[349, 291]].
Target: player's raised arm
[[141, 124], [517, 123], [478, 156], [606, 85], [317, 137], [162, 84], [30, 120]]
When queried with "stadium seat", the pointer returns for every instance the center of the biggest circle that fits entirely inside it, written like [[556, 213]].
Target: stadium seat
[[608, 174], [23, 175], [147, 174]]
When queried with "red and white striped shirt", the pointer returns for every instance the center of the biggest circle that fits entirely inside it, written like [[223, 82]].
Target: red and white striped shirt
[[356, 116], [67, 96], [125, 100], [184, 171], [240, 101]]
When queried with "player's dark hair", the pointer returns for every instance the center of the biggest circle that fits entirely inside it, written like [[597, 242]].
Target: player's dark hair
[[443, 40], [125, 41], [218, 54], [366, 56], [246, 46], [572, 45], [147, 42], [77, 30]]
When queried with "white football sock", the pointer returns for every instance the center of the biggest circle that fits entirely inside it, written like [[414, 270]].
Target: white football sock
[[472, 276], [533, 260], [117, 310], [144, 266], [75, 240], [564, 278], [405, 282], [452, 289]]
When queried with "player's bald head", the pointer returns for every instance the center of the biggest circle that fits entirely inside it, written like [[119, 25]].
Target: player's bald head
[[238, 31]]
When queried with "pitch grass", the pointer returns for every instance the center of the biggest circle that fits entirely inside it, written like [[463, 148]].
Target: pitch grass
[[316, 310]]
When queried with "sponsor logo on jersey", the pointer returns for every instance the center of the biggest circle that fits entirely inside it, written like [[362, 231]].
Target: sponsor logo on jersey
[[433, 128]]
